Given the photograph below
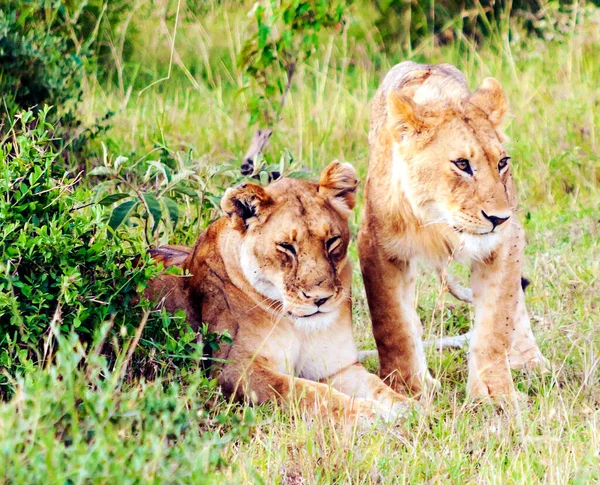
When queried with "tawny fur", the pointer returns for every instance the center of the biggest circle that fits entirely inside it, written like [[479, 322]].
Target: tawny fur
[[421, 206], [274, 273]]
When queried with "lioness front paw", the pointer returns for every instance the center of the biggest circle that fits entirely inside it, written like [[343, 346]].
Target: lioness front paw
[[398, 410], [361, 411]]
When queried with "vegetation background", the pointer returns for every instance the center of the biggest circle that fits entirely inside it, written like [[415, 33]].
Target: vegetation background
[[154, 104]]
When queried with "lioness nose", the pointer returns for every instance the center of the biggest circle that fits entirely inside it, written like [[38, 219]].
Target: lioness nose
[[495, 220], [321, 301]]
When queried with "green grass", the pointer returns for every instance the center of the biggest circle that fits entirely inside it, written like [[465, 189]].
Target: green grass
[[65, 427]]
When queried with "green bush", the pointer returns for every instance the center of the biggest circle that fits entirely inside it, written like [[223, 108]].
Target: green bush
[[39, 64], [45, 46], [401, 23], [59, 270]]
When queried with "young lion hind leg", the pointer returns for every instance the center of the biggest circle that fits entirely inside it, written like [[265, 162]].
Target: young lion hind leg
[[259, 383]]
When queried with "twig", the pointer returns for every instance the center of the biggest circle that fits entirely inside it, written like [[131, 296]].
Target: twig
[[52, 332], [261, 137], [291, 70], [168, 76], [134, 344]]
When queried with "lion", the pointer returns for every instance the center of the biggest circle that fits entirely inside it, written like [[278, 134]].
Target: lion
[[275, 274], [440, 189]]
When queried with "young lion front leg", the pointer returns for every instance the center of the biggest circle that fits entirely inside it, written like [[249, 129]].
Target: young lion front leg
[[496, 283], [390, 288], [525, 353]]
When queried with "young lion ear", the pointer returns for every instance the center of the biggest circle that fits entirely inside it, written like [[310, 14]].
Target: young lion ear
[[490, 98], [338, 183], [245, 203], [405, 117]]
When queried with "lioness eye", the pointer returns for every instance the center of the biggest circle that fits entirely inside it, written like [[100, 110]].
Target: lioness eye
[[333, 243], [503, 163], [287, 247], [464, 165]]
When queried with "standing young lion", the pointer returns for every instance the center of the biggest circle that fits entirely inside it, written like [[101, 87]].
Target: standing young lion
[[274, 273], [440, 188]]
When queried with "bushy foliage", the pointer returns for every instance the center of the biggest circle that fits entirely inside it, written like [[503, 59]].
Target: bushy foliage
[[402, 23], [287, 34], [150, 191], [39, 63], [45, 46], [59, 270]]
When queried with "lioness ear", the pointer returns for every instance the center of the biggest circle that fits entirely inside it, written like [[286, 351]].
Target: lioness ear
[[174, 255], [404, 116], [244, 203], [490, 98], [338, 183]]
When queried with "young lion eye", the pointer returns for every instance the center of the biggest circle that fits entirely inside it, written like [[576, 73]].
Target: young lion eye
[[287, 248], [333, 243], [503, 163], [464, 165]]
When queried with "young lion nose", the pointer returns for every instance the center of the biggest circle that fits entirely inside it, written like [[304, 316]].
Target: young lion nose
[[495, 220]]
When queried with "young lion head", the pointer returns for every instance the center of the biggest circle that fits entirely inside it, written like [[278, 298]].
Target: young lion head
[[450, 162], [294, 241]]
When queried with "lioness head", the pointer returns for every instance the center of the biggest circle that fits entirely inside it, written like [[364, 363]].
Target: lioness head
[[450, 161], [294, 241]]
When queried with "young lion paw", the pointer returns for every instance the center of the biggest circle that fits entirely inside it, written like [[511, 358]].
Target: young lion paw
[[529, 360], [490, 384]]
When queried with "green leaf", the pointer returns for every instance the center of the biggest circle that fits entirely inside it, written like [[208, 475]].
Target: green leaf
[[120, 213], [120, 161], [154, 207], [102, 171], [112, 198], [182, 189], [173, 210], [264, 178]]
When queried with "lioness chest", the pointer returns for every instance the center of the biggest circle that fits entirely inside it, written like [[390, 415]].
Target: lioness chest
[[310, 354]]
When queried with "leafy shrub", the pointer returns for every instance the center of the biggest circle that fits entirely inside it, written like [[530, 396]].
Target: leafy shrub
[[44, 48], [401, 22], [287, 34], [59, 270], [39, 64], [148, 193]]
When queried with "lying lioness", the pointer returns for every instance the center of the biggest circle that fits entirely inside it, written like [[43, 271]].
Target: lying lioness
[[439, 188], [274, 273]]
